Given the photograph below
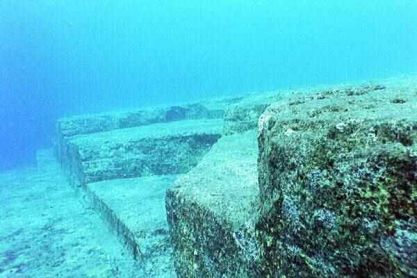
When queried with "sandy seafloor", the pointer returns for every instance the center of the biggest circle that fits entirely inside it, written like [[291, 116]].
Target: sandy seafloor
[[48, 230]]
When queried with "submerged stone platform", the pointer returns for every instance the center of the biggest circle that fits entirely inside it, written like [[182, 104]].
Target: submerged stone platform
[[337, 189], [300, 183], [159, 149]]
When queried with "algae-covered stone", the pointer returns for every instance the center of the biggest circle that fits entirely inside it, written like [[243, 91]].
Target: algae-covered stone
[[159, 149], [338, 183], [211, 212]]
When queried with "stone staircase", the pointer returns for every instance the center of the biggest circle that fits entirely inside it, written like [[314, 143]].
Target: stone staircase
[[227, 220], [126, 161]]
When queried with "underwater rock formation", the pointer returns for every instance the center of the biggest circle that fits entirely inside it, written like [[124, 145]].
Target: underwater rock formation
[[210, 212], [159, 149], [309, 183], [86, 124], [126, 161], [337, 172], [338, 184], [125, 173]]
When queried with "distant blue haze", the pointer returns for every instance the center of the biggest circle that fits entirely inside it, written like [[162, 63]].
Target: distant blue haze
[[65, 57]]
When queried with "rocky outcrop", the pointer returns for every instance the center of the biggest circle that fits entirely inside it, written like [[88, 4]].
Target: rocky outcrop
[[337, 172], [159, 149], [211, 212], [338, 183]]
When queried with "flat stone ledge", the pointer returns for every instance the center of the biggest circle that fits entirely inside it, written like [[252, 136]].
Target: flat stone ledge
[[159, 149], [135, 211]]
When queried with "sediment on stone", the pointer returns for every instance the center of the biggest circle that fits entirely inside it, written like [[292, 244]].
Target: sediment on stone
[[210, 212], [338, 187], [243, 115], [159, 149], [93, 123], [134, 210]]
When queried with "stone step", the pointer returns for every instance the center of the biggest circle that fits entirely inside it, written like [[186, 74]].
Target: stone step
[[158, 149], [134, 209], [93, 123], [337, 192], [211, 209]]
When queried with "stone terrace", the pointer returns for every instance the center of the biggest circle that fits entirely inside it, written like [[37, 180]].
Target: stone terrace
[[325, 186]]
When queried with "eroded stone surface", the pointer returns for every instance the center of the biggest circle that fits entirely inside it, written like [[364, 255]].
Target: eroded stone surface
[[338, 183], [211, 209], [159, 149]]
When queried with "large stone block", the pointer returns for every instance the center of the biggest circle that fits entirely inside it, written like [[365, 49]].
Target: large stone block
[[338, 183], [211, 212], [159, 149]]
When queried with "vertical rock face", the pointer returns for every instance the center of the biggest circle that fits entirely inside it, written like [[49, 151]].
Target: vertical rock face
[[338, 183], [211, 212]]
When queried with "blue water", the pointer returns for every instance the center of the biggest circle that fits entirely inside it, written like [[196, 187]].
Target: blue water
[[65, 57]]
